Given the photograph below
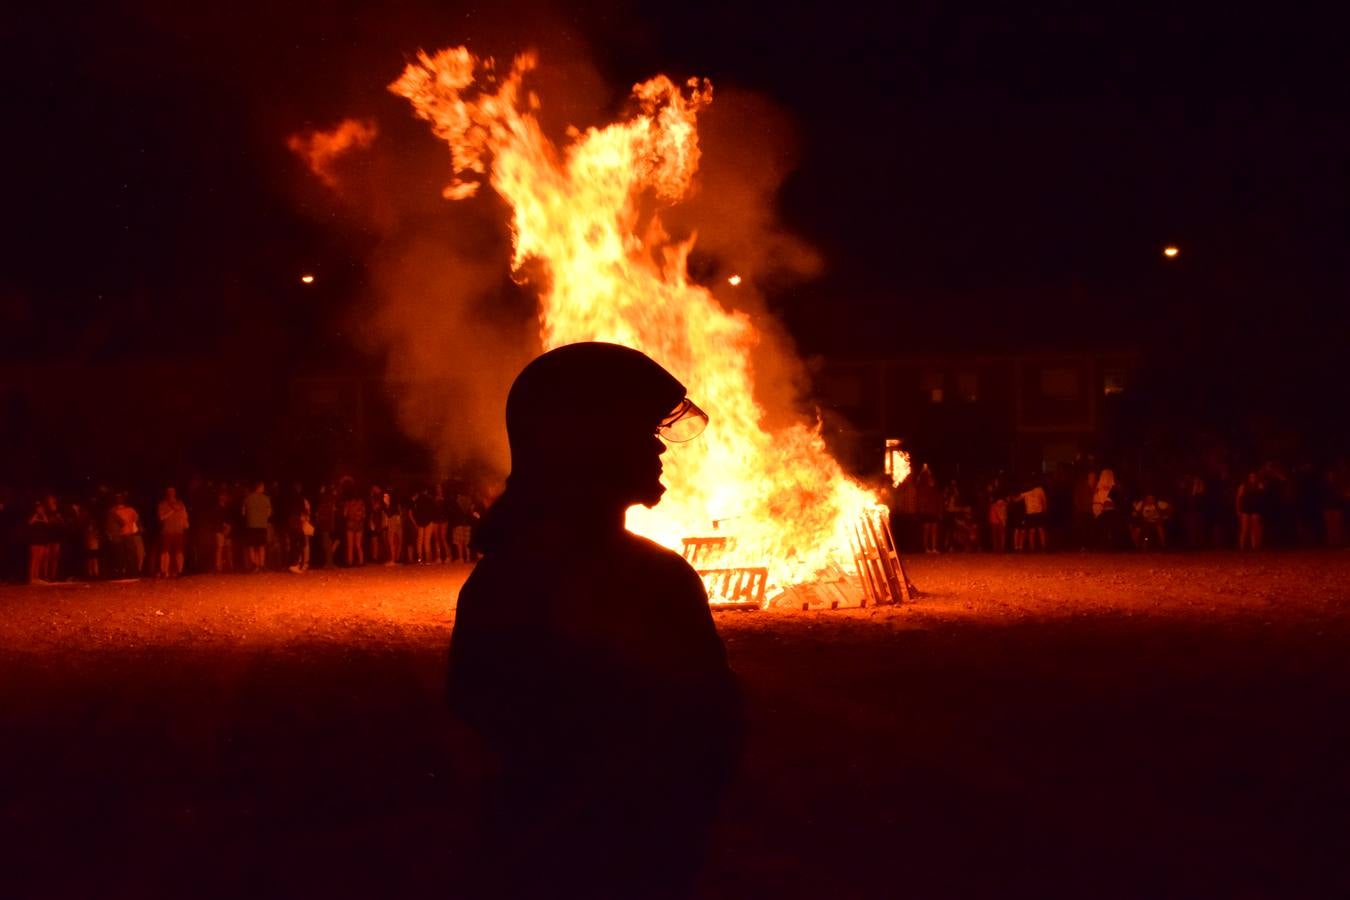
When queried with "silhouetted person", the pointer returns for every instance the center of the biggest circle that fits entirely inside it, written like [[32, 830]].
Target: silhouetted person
[[586, 656]]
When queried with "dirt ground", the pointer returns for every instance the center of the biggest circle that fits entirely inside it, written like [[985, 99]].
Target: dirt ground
[[1048, 726]]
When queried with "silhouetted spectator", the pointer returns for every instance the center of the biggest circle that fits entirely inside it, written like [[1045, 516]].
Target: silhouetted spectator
[[1148, 522], [1108, 511], [440, 524], [928, 499], [1335, 499], [375, 524], [354, 520], [123, 525], [326, 524], [257, 515], [998, 518], [585, 656], [91, 538], [173, 526], [463, 516], [1251, 511], [393, 527], [423, 517], [1084, 487], [55, 530], [38, 535], [300, 524], [1037, 507]]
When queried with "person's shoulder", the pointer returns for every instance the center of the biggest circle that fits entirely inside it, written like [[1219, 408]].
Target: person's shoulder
[[647, 552]]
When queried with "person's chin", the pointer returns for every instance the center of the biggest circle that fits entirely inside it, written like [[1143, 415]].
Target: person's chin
[[652, 495]]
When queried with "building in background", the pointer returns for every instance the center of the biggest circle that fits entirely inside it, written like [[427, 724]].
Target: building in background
[[1025, 412]]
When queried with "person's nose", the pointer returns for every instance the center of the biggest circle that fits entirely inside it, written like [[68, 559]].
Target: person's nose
[[660, 444]]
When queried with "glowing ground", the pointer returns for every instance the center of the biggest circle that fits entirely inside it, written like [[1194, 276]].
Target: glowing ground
[[1062, 725]]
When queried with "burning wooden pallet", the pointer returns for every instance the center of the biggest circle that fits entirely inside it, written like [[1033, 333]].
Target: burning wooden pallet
[[880, 578], [878, 560], [729, 587]]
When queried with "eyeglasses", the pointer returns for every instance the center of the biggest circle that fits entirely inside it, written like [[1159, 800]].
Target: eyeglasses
[[684, 423]]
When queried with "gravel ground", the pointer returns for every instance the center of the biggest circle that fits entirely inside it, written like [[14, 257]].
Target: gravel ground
[[1055, 725]]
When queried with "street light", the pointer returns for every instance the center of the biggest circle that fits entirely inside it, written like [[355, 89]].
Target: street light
[[306, 279], [1170, 251]]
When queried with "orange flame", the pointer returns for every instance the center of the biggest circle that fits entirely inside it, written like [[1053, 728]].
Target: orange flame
[[320, 149], [609, 275]]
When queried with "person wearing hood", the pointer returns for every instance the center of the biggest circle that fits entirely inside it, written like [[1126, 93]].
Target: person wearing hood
[[585, 656]]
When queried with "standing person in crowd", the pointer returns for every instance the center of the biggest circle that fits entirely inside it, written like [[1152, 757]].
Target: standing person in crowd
[[424, 518], [929, 502], [375, 524], [440, 523], [998, 518], [173, 526], [300, 524], [1335, 498], [1108, 511], [125, 521], [207, 517], [91, 539], [354, 518], [1148, 524], [462, 517], [1017, 518], [957, 520], [257, 514], [56, 527], [39, 536], [1251, 502], [393, 527], [1084, 487], [1037, 507], [326, 524], [1194, 505]]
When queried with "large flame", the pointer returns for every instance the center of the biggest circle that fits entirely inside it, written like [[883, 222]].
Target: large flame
[[582, 216]]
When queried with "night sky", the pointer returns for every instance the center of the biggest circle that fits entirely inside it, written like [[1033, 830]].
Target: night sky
[[975, 180]]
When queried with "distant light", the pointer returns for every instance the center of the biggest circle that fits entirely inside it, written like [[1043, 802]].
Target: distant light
[[306, 279], [1169, 251], [734, 280]]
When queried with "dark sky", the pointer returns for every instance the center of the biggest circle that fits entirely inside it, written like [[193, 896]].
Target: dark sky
[[975, 179]]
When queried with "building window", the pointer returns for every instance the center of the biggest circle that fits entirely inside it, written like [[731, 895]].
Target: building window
[[930, 384], [1114, 381], [1059, 384], [967, 387]]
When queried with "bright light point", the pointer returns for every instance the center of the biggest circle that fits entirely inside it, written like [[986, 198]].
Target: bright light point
[[307, 279], [1170, 251], [734, 280]]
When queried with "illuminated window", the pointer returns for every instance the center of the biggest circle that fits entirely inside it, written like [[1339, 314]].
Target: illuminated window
[[1060, 384], [967, 387], [897, 462], [930, 384]]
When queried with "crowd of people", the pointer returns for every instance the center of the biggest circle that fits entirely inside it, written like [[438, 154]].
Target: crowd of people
[[1088, 506], [243, 526], [253, 526]]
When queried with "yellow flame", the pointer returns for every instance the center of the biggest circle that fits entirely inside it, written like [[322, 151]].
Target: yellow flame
[[734, 280], [1170, 252], [307, 279], [581, 214]]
